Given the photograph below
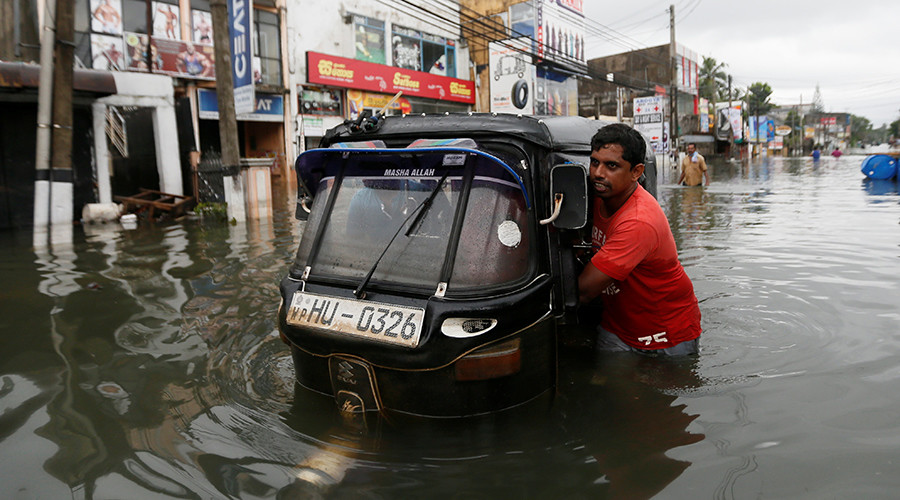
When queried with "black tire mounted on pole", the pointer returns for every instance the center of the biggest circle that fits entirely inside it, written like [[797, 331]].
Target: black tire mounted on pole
[[520, 94]]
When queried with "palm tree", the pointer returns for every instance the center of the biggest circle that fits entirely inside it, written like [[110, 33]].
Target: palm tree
[[757, 97], [713, 79]]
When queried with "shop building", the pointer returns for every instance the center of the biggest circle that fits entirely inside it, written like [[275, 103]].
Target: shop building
[[348, 60], [622, 78], [527, 56], [159, 54]]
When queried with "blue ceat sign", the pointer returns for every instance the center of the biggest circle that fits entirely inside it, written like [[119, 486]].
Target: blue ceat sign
[[267, 107], [239, 12]]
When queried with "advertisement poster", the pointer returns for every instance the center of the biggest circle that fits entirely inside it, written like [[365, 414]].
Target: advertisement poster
[[183, 59], [703, 111], [512, 78], [358, 100], [648, 119], [165, 21], [106, 16], [201, 27], [561, 31], [324, 69], [734, 116], [106, 52], [139, 55]]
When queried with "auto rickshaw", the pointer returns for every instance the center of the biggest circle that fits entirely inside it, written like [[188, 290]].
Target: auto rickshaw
[[438, 261]]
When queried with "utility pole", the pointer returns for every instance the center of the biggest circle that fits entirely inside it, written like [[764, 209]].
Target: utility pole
[[673, 98], [802, 132], [61, 178], [44, 118], [228, 136]]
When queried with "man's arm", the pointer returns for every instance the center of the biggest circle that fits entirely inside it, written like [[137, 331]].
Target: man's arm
[[591, 283], [705, 170]]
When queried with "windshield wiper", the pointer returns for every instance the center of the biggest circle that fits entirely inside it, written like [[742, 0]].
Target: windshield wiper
[[420, 211]]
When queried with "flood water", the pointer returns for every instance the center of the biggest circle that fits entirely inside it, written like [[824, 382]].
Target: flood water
[[146, 364]]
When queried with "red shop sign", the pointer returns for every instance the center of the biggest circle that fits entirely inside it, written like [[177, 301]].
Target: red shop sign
[[337, 71]]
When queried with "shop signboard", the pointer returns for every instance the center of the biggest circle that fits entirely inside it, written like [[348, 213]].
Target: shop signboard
[[648, 119], [324, 69], [239, 12], [267, 107]]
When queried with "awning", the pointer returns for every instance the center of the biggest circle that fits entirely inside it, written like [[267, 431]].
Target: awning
[[17, 75], [696, 138]]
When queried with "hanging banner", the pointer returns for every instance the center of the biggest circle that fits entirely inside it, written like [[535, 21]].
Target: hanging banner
[[323, 69], [734, 116], [239, 12]]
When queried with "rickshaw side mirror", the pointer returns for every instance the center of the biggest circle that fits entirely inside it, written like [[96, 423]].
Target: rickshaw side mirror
[[569, 196]]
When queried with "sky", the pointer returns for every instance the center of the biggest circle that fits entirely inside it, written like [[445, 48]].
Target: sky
[[850, 49]]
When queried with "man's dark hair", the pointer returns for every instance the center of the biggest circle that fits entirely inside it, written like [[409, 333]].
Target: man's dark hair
[[630, 139]]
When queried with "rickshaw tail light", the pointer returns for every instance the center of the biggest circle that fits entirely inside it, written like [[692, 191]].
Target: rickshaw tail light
[[490, 362]]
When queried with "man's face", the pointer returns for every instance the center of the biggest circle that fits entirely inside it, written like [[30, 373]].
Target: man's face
[[690, 149], [610, 174]]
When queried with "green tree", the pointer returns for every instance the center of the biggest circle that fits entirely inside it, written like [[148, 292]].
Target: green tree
[[860, 130], [818, 105], [713, 79], [795, 139], [757, 98]]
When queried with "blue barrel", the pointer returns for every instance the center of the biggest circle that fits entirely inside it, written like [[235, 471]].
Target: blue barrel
[[879, 167]]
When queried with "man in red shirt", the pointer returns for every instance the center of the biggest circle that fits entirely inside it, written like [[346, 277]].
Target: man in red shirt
[[649, 304]]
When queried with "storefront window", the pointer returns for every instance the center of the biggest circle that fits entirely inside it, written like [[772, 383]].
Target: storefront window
[[134, 16], [267, 49], [521, 18], [423, 52], [318, 101], [369, 39]]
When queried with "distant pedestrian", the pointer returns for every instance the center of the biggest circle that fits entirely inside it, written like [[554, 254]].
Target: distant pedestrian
[[816, 154], [836, 153], [693, 168]]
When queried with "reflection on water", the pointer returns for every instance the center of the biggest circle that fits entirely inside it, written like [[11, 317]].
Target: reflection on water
[[147, 363]]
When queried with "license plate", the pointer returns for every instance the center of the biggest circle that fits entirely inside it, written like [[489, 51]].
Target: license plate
[[382, 322]]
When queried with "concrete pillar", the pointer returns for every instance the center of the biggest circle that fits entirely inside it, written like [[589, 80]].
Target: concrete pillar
[[168, 163], [101, 153], [234, 197]]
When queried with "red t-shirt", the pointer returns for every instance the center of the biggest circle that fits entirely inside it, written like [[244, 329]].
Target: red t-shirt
[[651, 304]]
